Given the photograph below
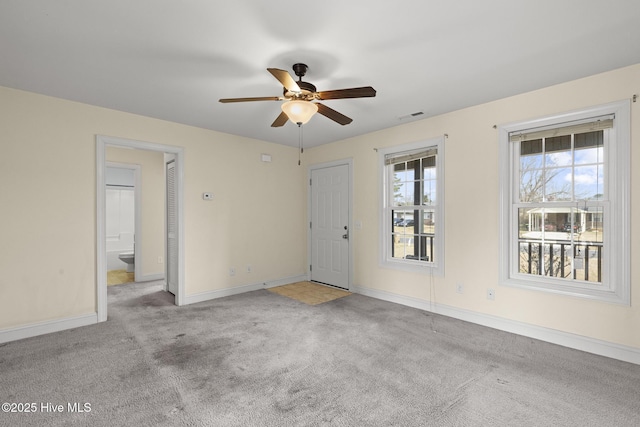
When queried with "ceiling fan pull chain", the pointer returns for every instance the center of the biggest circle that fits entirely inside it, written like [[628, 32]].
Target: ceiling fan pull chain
[[299, 141]]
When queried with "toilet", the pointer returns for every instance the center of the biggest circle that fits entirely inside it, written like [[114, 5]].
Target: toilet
[[128, 258]]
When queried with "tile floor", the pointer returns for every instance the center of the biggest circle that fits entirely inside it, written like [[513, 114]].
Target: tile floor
[[118, 277], [309, 293]]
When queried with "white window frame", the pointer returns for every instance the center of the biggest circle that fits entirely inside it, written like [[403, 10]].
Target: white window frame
[[386, 260], [615, 285]]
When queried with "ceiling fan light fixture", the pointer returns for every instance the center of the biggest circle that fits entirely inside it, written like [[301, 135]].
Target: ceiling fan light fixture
[[299, 112]]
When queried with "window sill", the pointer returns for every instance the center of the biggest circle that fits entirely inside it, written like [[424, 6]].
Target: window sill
[[412, 266]]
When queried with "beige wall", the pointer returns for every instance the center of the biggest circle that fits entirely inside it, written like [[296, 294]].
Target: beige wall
[[258, 215], [150, 237], [471, 185], [47, 188]]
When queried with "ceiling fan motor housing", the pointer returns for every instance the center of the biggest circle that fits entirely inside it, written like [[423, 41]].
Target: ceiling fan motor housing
[[307, 92], [300, 69]]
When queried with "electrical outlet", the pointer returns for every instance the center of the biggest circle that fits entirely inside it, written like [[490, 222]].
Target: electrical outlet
[[248, 268], [459, 287], [491, 294], [232, 271], [159, 260]]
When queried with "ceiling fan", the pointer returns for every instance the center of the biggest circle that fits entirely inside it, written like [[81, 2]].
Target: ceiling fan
[[302, 98]]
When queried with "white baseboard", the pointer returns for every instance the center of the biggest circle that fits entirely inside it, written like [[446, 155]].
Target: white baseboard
[[226, 292], [41, 328], [285, 281], [565, 339]]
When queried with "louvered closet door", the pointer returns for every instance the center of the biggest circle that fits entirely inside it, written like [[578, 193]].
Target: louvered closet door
[[172, 230]]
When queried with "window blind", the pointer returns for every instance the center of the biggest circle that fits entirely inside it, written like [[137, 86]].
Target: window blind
[[407, 156], [583, 126]]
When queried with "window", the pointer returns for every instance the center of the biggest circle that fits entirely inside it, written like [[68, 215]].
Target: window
[[412, 220], [565, 203]]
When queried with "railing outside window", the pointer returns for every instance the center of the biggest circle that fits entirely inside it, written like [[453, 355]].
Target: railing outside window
[[558, 259]]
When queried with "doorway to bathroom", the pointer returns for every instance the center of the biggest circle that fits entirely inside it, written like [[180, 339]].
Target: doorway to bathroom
[[122, 219], [150, 226]]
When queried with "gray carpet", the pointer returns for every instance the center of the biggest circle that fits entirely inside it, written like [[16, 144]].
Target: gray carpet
[[261, 359]]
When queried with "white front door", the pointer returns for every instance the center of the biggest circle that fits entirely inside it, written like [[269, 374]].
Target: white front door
[[330, 225]]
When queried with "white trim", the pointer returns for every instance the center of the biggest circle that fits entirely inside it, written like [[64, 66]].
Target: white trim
[[226, 292], [101, 268], [617, 278], [385, 259], [47, 327], [349, 163], [137, 192], [565, 339], [286, 281]]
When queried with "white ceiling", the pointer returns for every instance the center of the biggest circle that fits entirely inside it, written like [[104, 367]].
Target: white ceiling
[[173, 59]]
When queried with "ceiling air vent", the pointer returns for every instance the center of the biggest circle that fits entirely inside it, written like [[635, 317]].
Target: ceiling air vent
[[411, 116]]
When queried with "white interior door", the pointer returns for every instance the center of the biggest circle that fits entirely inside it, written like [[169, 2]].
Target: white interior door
[[330, 225], [172, 230]]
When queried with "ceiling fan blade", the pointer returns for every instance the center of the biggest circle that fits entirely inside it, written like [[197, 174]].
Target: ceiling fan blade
[[356, 92], [259, 98], [285, 78], [280, 120], [333, 114]]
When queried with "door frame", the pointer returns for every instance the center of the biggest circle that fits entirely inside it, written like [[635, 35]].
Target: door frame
[[343, 162], [102, 142]]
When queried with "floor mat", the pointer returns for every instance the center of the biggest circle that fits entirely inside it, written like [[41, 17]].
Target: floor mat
[[309, 292]]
